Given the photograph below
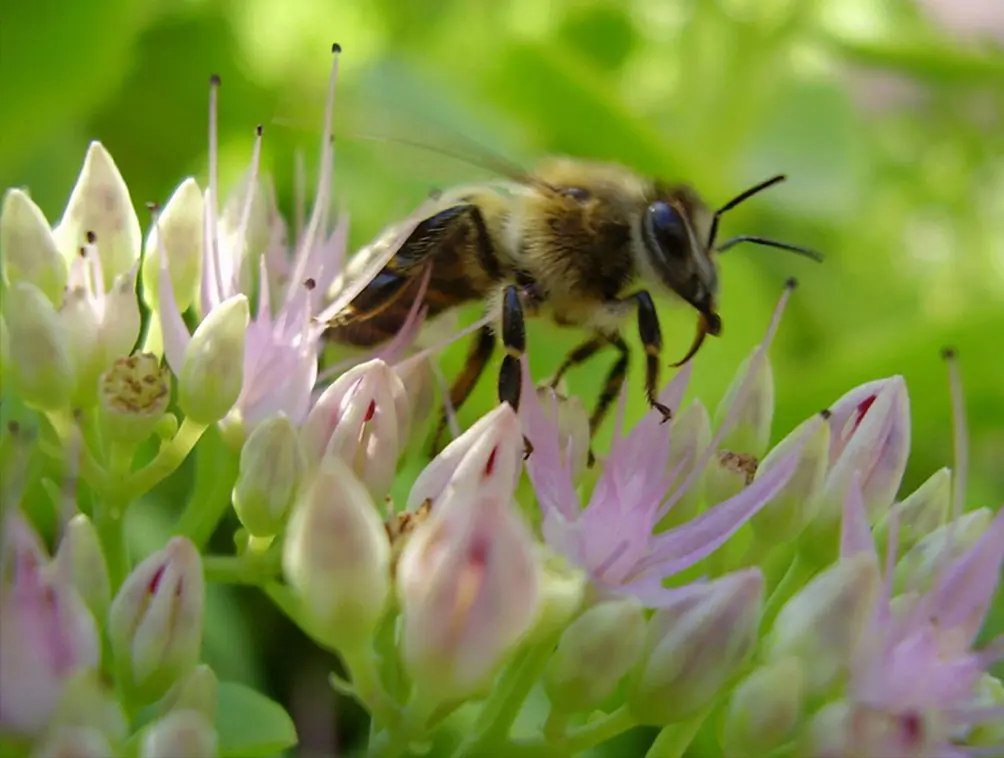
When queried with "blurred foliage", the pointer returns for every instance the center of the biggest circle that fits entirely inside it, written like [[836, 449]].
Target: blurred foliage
[[887, 115]]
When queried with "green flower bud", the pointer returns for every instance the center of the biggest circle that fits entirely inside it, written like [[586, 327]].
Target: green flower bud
[[88, 702], [689, 436], [921, 513], [74, 742], [750, 432], [213, 370], [81, 560], [594, 654], [39, 363], [562, 590], [271, 467], [794, 507], [179, 233], [917, 569], [134, 394], [29, 251], [180, 734], [198, 691], [694, 646], [764, 710], [822, 625]]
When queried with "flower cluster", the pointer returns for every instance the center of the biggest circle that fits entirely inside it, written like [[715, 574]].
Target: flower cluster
[[757, 598]]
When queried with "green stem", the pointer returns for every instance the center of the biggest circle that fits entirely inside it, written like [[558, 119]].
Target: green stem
[[166, 462], [249, 569], [673, 740], [110, 526], [503, 706], [599, 731], [364, 670], [216, 472], [394, 742]]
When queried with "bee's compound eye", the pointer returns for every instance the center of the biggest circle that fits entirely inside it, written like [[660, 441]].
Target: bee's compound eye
[[667, 228], [576, 193]]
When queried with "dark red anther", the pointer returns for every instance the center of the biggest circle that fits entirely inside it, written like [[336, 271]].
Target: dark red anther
[[155, 580], [370, 412], [490, 465], [862, 409]]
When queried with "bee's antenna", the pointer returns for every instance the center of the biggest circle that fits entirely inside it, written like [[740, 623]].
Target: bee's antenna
[[797, 249], [746, 195], [738, 199]]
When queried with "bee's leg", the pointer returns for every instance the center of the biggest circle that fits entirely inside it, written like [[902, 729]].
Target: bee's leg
[[514, 340], [482, 347], [651, 338], [611, 389], [578, 355]]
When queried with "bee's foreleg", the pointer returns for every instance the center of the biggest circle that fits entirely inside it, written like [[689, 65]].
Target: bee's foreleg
[[651, 338], [482, 347], [514, 340], [579, 355]]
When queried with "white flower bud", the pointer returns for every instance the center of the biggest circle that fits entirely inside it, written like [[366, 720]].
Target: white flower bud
[[40, 365], [100, 203], [179, 233], [336, 556], [81, 561], [180, 734], [764, 709], [213, 370], [29, 250]]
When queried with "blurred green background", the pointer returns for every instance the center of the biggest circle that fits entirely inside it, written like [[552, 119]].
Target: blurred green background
[[887, 115]]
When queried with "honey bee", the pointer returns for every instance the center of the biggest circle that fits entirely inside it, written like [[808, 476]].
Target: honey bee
[[579, 242]]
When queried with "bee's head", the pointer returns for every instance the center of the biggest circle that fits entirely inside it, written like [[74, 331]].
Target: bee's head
[[671, 234], [679, 235]]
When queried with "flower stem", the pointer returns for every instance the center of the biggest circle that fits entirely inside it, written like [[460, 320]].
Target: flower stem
[[673, 740], [110, 526], [249, 569], [166, 462], [216, 471], [599, 731], [364, 670]]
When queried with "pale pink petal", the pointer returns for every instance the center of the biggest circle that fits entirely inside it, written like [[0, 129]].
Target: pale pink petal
[[855, 533], [176, 336]]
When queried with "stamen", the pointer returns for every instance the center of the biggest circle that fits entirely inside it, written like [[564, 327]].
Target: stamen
[[212, 287], [242, 230], [959, 433], [745, 387], [322, 197], [299, 197]]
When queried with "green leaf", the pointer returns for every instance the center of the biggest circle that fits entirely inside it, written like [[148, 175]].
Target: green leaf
[[251, 725]]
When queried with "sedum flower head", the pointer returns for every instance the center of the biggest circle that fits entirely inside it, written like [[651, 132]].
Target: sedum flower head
[[615, 537]]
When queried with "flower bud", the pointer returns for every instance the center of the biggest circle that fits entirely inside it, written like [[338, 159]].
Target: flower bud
[[689, 436], [80, 560], [271, 467], [88, 701], [39, 365], [990, 695], [100, 203], [694, 646], [213, 370], [337, 557], [750, 430], [870, 435], [917, 570], [858, 731], [921, 513], [468, 579], [155, 620], [764, 709], [823, 624], [198, 691], [419, 381], [562, 590], [74, 742], [728, 474], [120, 319], [46, 635], [180, 734], [794, 507], [30, 253], [572, 421], [179, 233], [133, 396], [593, 654], [363, 418]]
